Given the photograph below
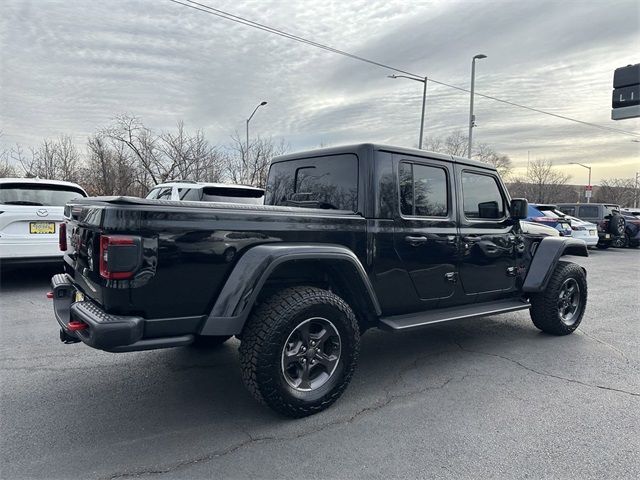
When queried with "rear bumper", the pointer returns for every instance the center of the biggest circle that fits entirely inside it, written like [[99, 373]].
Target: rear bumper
[[590, 240], [115, 333], [25, 250], [605, 238]]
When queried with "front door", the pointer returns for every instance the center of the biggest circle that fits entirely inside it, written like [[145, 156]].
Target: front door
[[425, 229], [487, 241]]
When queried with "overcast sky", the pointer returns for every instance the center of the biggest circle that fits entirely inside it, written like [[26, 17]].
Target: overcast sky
[[68, 67]]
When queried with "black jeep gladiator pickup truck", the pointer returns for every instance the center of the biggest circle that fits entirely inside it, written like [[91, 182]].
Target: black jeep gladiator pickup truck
[[349, 238]]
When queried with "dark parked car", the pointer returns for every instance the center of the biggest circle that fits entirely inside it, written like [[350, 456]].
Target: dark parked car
[[549, 215], [631, 236], [397, 239], [610, 222]]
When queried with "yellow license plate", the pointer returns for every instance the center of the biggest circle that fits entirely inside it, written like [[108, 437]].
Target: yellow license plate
[[42, 227], [78, 297]]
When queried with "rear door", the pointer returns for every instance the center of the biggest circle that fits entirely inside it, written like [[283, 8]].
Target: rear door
[[30, 216], [425, 229], [487, 266]]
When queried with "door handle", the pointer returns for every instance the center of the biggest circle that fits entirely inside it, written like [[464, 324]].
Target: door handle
[[416, 240], [472, 238]]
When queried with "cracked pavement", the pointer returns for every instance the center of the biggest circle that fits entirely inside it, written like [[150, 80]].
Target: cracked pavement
[[478, 398]]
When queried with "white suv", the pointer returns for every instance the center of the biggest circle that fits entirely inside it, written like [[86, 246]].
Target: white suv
[[31, 211], [207, 192]]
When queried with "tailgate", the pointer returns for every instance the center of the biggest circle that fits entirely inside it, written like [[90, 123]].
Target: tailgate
[[104, 263]]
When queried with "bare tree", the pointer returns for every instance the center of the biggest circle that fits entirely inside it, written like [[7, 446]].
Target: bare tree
[[53, 159], [109, 169], [6, 167], [620, 191], [542, 183], [456, 144], [487, 154], [168, 155], [252, 167], [453, 144]]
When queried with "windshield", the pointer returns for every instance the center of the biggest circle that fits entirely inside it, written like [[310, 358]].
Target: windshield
[[38, 195]]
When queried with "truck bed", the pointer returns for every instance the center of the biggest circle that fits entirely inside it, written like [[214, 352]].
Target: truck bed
[[189, 248]]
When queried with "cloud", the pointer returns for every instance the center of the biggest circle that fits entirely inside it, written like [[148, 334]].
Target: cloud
[[70, 66]]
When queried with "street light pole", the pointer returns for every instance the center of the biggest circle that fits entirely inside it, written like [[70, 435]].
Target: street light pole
[[261, 104], [589, 168], [472, 119], [424, 102]]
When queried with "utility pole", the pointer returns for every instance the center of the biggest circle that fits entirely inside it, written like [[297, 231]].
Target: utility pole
[[589, 185], [424, 102], [472, 118], [262, 104]]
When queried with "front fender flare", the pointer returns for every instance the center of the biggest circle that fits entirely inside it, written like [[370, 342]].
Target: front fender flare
[[546, 258], [241, 289]]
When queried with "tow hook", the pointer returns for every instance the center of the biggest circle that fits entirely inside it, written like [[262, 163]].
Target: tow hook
[[66, 338], [74, 325]]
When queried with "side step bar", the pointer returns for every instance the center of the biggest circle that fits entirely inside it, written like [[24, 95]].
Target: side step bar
[[398, 323]]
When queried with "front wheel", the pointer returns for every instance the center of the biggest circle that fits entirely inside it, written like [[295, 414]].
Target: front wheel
[[299, 350], [560, 307]]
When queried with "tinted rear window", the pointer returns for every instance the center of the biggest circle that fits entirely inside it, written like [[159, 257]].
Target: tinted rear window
[[588, 211], [321, 182], [38, 195], [233, 195]]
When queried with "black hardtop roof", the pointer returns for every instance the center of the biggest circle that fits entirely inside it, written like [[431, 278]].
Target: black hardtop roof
[[360, 148]]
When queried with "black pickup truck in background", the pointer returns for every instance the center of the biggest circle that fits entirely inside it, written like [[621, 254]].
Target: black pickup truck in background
[[349, 238]]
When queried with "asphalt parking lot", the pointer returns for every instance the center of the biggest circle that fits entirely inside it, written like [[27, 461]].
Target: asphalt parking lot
[[490, 398]]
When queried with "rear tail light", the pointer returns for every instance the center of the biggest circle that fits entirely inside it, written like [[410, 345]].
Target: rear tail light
[[119, 256], [62, 237]]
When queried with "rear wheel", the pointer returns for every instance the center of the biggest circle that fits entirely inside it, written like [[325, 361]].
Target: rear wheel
[[299, 350], [560, 307], [603, 246]]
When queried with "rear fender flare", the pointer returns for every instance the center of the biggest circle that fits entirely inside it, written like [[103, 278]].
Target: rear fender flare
[[242, 287], [546, 258]]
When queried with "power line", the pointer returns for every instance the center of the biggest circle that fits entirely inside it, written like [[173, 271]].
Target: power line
[[250, 23]]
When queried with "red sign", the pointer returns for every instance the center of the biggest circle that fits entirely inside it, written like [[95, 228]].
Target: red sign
[[588, 187]]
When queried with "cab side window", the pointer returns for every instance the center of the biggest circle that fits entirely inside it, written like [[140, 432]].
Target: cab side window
[[423, 190], [481, 196]]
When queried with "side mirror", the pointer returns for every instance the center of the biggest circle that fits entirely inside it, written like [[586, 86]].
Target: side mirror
[[519, 208]]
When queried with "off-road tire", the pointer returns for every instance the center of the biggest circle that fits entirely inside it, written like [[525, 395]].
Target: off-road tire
[[209, 341], [264, 337], [620, 242], [544, 305], [616, 225]]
